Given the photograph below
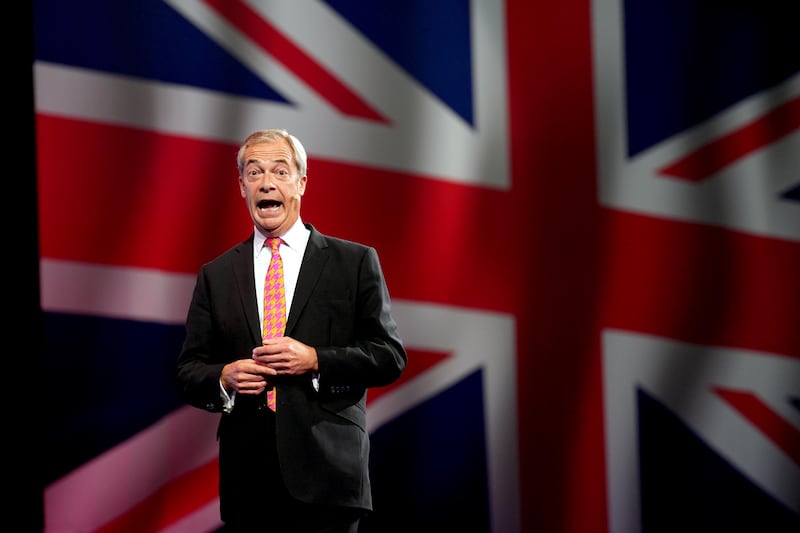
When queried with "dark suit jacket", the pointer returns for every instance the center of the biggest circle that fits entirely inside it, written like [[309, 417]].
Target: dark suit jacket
[[341, 307]]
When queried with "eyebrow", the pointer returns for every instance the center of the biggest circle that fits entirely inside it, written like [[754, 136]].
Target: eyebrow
[[268, 161]]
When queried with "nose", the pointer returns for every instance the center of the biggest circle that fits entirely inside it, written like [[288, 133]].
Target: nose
[[266, 183]]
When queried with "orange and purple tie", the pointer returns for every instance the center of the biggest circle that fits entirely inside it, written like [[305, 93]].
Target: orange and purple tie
[[274, 303]]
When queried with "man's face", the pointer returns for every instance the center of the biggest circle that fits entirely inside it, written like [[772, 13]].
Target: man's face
[[271, 187]]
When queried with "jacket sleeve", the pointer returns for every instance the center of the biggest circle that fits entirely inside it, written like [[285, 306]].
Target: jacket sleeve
[[366, 348], [197, 372]]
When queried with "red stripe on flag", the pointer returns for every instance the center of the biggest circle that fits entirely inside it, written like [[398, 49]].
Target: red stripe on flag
[[775, 427], [114, 195], [172, 502], [271, 40], [121, 196], [715, 156]]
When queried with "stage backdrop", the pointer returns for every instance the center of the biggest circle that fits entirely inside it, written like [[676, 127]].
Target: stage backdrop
[[588, 212]]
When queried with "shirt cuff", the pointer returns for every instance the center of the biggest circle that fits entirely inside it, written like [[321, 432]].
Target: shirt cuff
[[227, 399]]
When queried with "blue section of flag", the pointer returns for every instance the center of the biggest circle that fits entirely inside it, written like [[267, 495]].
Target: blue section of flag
[[145, 38], [439, 54], [686, 60], [106, 381], [446, 436], [687, 486]]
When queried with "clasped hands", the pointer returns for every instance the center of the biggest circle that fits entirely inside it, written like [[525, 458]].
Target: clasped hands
[[275, 357]]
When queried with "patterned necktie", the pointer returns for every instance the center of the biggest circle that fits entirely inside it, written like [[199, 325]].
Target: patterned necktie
[[274, 303]]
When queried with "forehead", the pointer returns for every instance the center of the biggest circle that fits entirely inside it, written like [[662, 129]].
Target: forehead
[[276, 151]]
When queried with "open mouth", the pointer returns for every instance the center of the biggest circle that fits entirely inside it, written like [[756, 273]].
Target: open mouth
[[269, 204]]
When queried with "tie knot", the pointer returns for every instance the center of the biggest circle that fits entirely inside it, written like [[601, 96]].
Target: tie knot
[[274, 243]]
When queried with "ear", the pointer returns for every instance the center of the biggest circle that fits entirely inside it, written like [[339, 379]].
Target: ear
[[242, 188], [301, 185]]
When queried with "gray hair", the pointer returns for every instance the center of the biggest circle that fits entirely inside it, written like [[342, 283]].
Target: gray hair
[[274, 135]]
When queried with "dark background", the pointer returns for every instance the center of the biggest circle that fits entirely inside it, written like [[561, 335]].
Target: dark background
[[24, 401]]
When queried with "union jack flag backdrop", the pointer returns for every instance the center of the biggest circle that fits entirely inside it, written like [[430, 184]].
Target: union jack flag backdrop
[[588, 213]]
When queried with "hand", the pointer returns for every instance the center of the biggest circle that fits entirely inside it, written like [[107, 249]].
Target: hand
[[286, 356], [245, 376]]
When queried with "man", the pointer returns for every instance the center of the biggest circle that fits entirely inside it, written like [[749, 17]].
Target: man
[[302, 467]]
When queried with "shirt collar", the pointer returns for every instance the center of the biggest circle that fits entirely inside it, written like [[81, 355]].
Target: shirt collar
[[293, 238]]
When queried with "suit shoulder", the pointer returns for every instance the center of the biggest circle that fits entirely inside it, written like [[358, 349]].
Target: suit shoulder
[[346, 248], [348, 245], [232, 254], [339, 243]]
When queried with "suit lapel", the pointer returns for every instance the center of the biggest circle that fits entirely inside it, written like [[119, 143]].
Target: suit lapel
[[313, 262], [246, 286]]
